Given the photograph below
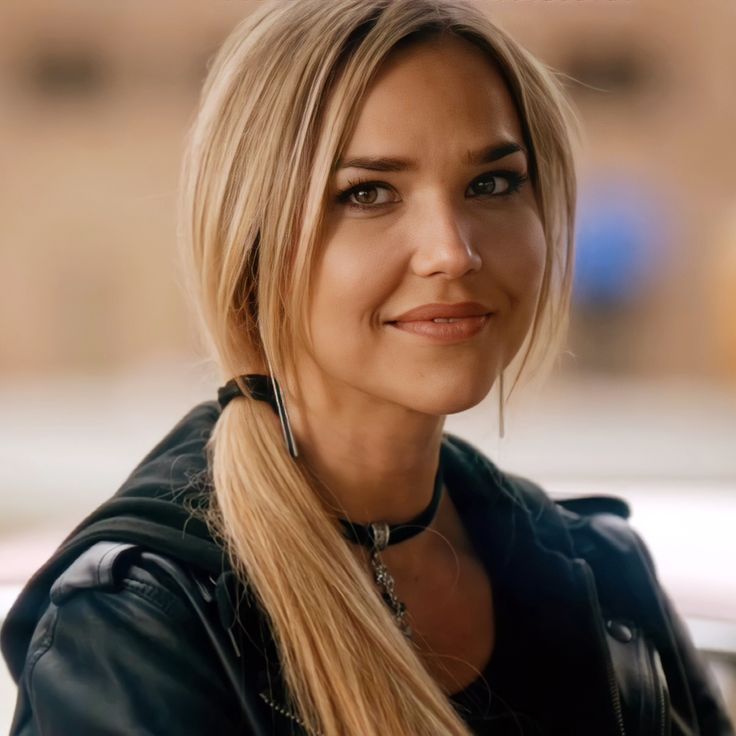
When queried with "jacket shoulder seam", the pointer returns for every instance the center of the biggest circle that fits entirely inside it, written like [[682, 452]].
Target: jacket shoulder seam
[[164, 600]]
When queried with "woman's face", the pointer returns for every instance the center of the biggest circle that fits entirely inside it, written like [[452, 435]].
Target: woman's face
[[430, 212]]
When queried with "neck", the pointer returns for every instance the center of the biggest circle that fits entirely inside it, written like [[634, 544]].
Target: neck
[[376, 460]]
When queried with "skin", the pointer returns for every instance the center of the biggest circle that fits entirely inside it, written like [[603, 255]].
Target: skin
[[372, 399]]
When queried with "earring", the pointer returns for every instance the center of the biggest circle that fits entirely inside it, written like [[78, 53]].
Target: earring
[[283, 414], [501, 423]]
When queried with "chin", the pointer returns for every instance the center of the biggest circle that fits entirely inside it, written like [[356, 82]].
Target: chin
[[447, 407], [449, 398]]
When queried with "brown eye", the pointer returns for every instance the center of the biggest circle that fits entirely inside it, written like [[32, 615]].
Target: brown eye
[[496, 185], [489, 185], [369, 195], [365, 195]]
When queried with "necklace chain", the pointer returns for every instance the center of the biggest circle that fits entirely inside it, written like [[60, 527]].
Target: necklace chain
[[384, 580]]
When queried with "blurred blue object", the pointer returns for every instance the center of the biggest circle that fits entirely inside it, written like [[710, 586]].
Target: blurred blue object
[[620, 233]]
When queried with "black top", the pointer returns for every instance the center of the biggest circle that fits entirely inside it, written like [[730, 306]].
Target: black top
[[486, 704], [489, 704]]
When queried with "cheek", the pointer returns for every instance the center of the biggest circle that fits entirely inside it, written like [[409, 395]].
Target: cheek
[[351, 282], [534, 259], [520, 261]]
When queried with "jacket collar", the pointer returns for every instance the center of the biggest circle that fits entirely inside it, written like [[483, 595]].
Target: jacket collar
[[553, 616]]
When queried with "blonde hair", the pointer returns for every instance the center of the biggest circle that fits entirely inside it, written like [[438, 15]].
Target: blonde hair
[[276, 109]]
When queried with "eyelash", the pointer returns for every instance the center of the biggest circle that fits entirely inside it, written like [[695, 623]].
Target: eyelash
[[515, 179]]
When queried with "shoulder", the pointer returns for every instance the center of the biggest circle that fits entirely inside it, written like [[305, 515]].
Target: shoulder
[[589, 527], [115, 601], [597, 525], [527, 491], [114, 595], [121, 647], [121, 569]]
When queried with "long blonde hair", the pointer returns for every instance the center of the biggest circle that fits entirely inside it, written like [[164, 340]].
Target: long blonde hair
[[276, 109]]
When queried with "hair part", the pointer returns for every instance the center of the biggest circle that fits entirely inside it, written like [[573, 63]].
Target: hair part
[[277, 108]]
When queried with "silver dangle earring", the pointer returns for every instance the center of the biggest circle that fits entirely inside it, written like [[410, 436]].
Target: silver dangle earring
[[283, 414], [501, 422]]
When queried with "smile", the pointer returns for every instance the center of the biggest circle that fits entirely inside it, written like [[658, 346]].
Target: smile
[[444, 329]]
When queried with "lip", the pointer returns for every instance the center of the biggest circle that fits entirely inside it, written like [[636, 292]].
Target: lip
[[428, 312], [458, 329], [467, 320]]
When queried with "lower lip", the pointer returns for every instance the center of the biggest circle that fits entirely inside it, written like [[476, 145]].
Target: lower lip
[[445, 332]]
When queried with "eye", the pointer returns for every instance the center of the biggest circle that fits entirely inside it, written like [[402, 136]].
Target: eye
[[368, 194], [496, 184]]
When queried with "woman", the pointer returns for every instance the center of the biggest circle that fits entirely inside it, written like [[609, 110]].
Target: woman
[[378, 207]]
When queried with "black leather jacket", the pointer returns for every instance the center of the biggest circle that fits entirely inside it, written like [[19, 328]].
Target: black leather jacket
[[130, 628]]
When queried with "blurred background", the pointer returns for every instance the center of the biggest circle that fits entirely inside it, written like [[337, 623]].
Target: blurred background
[[98, 356]]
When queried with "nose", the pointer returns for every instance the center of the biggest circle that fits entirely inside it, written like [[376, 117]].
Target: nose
[[443, 244]]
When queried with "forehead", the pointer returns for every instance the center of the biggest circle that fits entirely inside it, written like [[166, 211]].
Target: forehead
[[440, 94]]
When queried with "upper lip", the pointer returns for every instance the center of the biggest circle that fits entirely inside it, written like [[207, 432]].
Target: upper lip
[[428, 312]]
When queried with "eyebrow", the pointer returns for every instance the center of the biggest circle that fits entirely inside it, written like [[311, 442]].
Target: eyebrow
[[476, 158]]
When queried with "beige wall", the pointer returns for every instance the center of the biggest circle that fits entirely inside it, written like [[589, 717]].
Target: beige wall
[[88, 278]]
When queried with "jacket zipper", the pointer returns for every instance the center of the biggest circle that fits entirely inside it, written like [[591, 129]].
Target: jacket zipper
[[660, 700], [662, 693], [612, 684], [281, 710]]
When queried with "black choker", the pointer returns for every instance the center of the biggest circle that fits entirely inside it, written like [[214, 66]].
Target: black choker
[[377, 535], [380, 534]]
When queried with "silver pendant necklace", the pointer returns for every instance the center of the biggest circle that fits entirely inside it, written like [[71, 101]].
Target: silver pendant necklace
[[384, 580], [379, 534]]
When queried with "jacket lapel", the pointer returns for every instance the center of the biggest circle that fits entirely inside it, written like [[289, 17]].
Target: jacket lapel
[[552, 610]]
